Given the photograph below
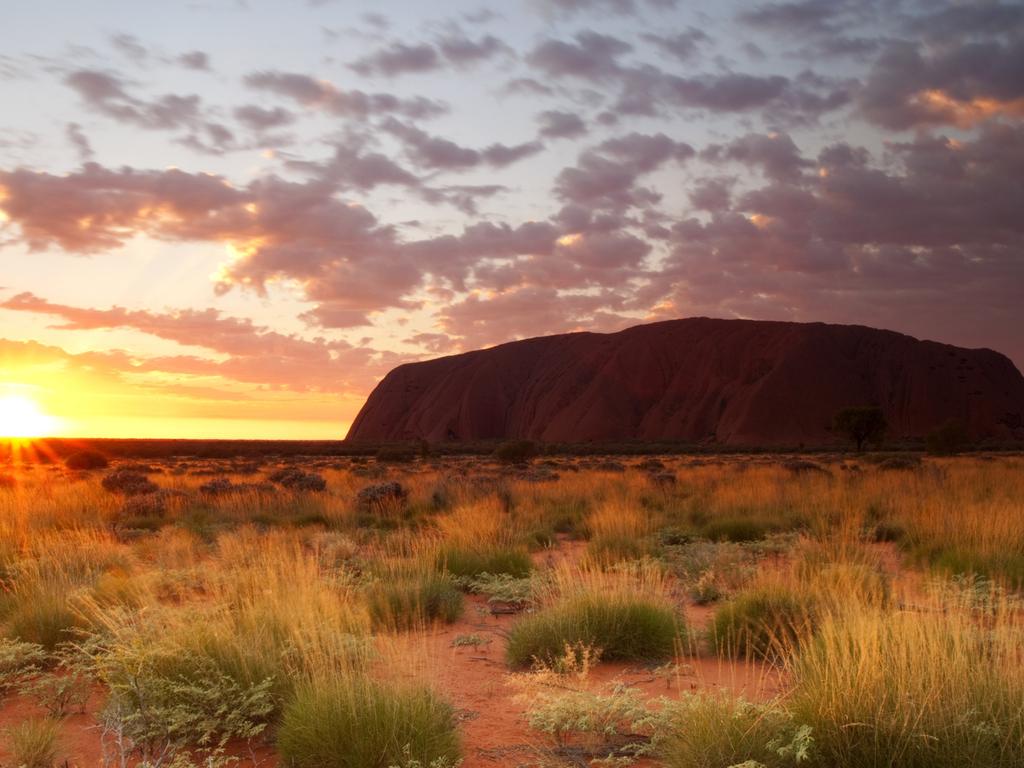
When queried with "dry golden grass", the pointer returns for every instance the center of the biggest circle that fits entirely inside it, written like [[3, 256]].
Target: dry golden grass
[[910, 653]]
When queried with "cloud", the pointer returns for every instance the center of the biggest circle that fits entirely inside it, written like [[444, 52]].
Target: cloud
[[130, 47], [398, 58], [959, 84], [775, 154], [683, 46], [319, 94], [555, 124], [592, 57], [611, 7], [648, 90], [464, 51], [107, 94], [250, 354], [79, 141], [258, 118], [197, 60], [711, 195], [454, 48], [437, 153], [606, 176]]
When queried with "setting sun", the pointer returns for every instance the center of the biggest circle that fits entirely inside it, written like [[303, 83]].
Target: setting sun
[[21, 417]]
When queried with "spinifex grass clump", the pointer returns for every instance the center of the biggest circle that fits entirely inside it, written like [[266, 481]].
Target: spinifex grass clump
[[624, 615], [620, 530], [478, 538], [763, 622], [42, 615], [717, 730], [33, 742], [350, 721], [927, 689], [471, 562], [413, 601]]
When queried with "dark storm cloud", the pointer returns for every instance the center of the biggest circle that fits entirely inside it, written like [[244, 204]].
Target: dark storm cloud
[[319, 94]]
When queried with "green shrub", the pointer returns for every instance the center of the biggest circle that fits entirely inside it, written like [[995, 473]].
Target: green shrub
[[162, 702], [33, 742], [412, 601], [762, 623], [470, 563], [622, 627], [19, 661], [714, 731], [353, 722]]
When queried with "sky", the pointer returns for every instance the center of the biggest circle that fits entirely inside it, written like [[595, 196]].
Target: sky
[[230, 218]]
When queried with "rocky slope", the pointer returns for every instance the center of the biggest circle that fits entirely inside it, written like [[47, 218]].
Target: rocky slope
[[733, 382]]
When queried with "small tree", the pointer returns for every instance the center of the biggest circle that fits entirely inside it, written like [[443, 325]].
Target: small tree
[[947, 438], [861, 424]]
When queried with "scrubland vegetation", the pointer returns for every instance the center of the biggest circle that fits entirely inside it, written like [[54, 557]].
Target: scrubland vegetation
[[832, 612]]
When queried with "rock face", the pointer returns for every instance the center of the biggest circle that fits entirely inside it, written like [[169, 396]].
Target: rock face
[[733, 382]]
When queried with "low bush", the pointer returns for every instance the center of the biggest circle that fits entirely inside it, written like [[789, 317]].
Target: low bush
[[128, 483], [86, 460], [297, 480], [352, 722], [516, 451], [163, 703], [763, 622], [19, 661], [413, 601], [620, 626], [386, 499]]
